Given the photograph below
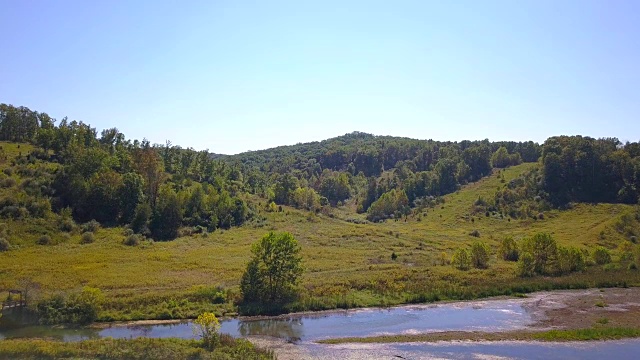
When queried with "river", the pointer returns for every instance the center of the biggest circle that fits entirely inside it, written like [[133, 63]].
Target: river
[[295, 336]]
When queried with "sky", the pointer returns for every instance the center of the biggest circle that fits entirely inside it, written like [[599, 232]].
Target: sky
[[233, 76]]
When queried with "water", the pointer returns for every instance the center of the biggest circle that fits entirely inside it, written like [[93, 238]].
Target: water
[[304, 330], [481, 315], [623, 349]]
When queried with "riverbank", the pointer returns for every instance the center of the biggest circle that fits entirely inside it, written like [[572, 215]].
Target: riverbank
[[132, 349], [605, 314]]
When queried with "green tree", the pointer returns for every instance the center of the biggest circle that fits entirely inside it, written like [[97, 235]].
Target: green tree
[[131, 194], [480, 255], [601, 255], [509, 249], [526, 265], [569, 260], [544, 250], [167, 217], [461, 259], [274, 269]]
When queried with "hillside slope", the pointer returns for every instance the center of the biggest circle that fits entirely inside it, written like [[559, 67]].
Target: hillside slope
[[348, 263]]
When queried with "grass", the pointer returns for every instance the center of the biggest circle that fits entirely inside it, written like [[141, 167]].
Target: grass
[[347, 264], [130, 349], [590, 334]]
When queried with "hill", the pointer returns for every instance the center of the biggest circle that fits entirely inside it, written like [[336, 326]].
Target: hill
[[165, 232]]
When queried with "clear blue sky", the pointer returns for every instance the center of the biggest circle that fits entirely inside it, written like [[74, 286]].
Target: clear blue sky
[[231, 76]]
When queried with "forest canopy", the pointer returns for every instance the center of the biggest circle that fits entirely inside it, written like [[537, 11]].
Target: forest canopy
[[157, 189]]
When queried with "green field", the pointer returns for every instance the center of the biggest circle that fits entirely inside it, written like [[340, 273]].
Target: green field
[[347, 264]]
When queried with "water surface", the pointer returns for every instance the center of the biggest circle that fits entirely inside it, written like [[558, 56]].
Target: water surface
[[480, 315]]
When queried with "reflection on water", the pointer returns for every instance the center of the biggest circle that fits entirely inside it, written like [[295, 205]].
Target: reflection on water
[[304, 330], [481, 315], [290, 329]]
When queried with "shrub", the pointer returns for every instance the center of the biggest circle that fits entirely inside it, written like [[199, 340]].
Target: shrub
[[4, 244], [526, 265], [633, 266], [461, 259], [544, 250], [601, 255], [207, 327], [67, 225], [8, 182], [80, 308], [394, 256], [91, 226], [633, 239], [44, 240], [570, 260], [444, 259], [509, 249], [480, 255], [132, 240], [87, 238], [475, 233]]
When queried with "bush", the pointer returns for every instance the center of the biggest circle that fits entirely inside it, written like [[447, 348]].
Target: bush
[[601, 255], [461, 259], [87, 238], [44, 240], [67, 225], [509, 249], [633, 266], [207, 327], [526, 265], [91, 226], [544, 250], [634, 239], [570, 260], [480, 255], [475, 233], [132, 240], [8, 182], [80, 308], [4, 244]]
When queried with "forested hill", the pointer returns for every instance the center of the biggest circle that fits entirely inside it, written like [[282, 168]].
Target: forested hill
[[361, 152], [74, 174]]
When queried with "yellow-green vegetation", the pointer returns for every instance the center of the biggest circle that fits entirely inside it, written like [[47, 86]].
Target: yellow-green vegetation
[[349, 261], [590, 334], [132, 349], [207, 327]]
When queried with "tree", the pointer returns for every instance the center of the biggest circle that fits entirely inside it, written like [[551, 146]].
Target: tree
[[131, 194], [509, 249], [544, 250], [273, 270], [480, 255], [167, 217], [461, 259], [526, 266], [601, 255]]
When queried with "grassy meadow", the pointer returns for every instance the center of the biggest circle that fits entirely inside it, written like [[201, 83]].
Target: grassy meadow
[[348, 264]]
